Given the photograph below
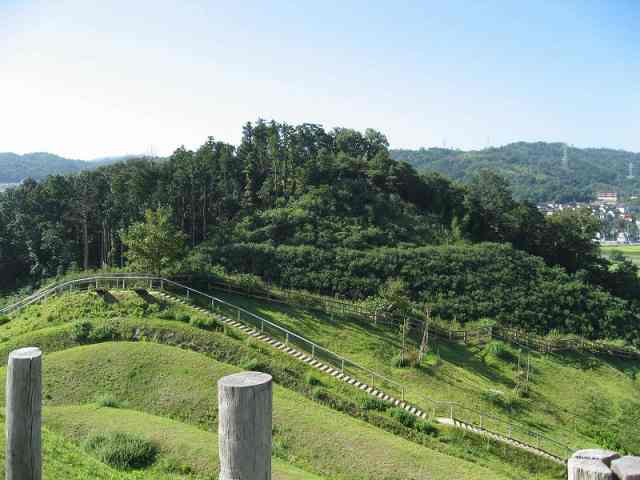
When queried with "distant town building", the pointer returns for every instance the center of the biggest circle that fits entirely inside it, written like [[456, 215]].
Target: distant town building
[[608, 197]]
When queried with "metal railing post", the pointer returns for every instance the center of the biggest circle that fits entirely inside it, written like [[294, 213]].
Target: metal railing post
[[313, 350], [287, 340], [262, 326], [451, 412], [342, 366]]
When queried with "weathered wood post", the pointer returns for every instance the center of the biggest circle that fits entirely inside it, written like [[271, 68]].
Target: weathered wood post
[[626, 468], [591, 464], [24, 415], [244, 426]]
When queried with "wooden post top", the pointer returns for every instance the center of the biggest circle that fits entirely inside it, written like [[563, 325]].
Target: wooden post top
[[245, 380], [26, 353]]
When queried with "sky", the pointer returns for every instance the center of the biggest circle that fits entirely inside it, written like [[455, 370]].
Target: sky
[[89, 78]]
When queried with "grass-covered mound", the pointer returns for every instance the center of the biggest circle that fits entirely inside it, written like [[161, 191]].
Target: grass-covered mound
[[567, 394]]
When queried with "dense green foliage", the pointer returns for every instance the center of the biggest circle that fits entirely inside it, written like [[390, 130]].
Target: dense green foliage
[[154, 245], [535, 170], [329, 212], [465, 282]]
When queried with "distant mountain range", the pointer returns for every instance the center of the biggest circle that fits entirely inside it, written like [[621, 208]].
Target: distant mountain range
[[538, 171], [15, 168]]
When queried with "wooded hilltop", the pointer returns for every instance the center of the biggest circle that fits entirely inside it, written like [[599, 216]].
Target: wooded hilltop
[[331, 212]]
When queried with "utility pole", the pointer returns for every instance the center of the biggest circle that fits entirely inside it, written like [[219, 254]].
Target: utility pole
[[425, 335]]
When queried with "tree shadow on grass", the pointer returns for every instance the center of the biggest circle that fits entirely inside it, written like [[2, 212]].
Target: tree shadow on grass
[[312, 323], [467, 358], [106, 296], [146, 296]]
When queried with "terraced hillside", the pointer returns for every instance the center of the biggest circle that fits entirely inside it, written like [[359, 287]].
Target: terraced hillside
[[119, 361], [564, 391]]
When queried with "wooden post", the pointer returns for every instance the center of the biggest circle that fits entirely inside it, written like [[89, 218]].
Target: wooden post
[[24, 415], [626, 468], [244, 426]]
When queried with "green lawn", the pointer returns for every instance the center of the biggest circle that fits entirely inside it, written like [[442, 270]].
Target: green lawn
[[632, 252], [189, 448], [560, 386], [62, 459]]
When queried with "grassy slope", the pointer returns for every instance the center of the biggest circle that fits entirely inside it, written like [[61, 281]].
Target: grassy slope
[[173, 382], [560, 386], [179, 444], [64, 460], [47, 325]]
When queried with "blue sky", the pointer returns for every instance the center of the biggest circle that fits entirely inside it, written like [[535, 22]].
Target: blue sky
[[86, 79]]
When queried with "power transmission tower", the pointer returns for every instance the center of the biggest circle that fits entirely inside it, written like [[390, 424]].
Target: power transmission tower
[[565, 157], [630, 169]]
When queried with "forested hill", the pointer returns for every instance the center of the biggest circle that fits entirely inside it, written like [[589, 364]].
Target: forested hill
[[330, 212], [15, 168], [536, 171]]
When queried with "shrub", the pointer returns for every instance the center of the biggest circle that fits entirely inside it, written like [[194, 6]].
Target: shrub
[[493, 396], [369, 403], [500, 399], [497, 349], [108, 400], [122, 450], [404, 417], [103, 332], [183, 317], [81, 330], [167, 315], [3, 319], [311, 378], [173, 465], [250, 364], [424, 426], [320, 394], [205, 323], [230, 332], [408, 359]]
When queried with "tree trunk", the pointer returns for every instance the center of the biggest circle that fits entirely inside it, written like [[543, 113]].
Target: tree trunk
[[85, 241]]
